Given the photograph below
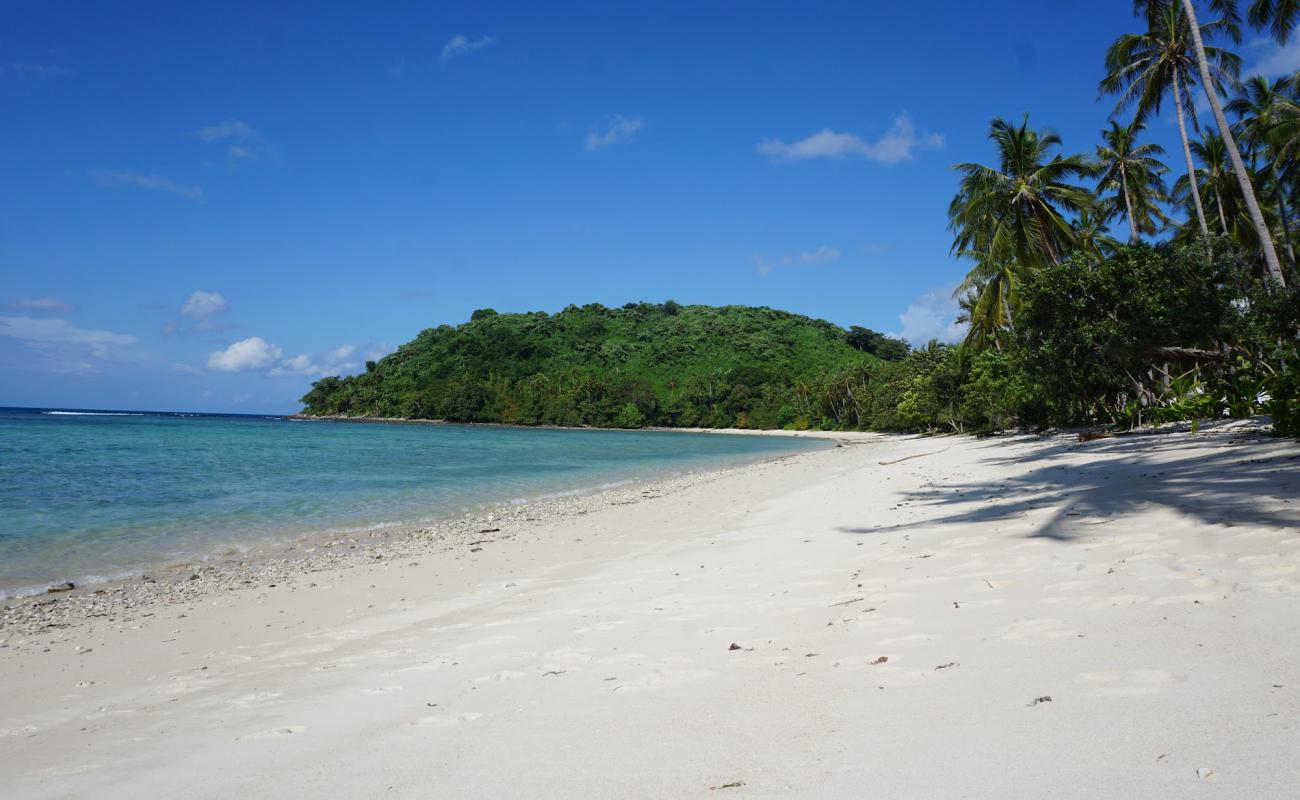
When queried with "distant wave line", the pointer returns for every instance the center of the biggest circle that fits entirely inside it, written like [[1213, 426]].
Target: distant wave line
[[95, 413]]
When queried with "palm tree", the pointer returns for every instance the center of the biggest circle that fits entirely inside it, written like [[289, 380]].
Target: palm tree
[[1260, 107], [1214, 176], [1279, 16], [1014, 212], [988, 297], [1143, 67], [1133, 172], [1091, 236], [1203, 54], [1011, 220]]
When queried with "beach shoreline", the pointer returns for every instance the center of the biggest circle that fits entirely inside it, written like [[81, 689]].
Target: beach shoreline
[[188, 580], [917, 616]]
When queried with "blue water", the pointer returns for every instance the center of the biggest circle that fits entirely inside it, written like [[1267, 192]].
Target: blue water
[[86, 495]]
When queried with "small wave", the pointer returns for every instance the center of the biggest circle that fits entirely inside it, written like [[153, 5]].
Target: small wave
[[94, 413]]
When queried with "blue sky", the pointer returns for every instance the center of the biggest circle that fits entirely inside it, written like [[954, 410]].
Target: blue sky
[[207, 206]]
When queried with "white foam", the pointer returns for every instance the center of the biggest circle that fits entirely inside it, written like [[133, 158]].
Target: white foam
[[94, 413]]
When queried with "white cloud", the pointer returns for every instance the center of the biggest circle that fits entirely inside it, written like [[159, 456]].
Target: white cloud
[[1272, 59], [202, 305], [45, 333], [247, 355], [230, 129], [155, 183], [933, 315], [617, 128], [255, 354], [808, 258], [895, 145], [41, 70], [40, 304], [244, 143], [339, 361], [460, 45]]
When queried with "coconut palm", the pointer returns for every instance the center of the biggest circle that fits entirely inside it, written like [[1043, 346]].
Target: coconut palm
[[1213, 177], [1279, 16], [1261, 107], [1144, 68], [1091, 235], [1133, 173], [1014, 212], [1203, 56], [988, 299]]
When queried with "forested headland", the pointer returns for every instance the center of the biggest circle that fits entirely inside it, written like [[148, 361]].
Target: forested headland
[[1105, 287]]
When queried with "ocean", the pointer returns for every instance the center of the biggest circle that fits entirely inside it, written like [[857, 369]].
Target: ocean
[[88, 496]]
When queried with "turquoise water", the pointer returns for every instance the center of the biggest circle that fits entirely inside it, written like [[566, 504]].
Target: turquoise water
[[101, 495]]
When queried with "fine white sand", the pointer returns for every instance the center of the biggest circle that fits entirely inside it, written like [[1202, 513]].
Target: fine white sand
[[900, 610]]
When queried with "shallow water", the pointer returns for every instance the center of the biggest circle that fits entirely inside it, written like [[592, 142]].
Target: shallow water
[[87, 495]]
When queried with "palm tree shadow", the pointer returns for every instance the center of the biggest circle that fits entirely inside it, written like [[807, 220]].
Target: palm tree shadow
[[1208, 479]]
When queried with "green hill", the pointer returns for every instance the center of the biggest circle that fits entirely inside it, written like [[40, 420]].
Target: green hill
[[642, 364]]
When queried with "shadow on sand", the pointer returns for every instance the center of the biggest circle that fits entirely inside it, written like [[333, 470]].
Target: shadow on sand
[[1215, 480]]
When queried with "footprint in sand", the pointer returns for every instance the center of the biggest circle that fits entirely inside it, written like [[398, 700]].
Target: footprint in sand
[[24, 730], [910, 640], [663, 679], [256, 699], [446, 720], [1126, 682], [274, 733], [504, 675], [1042, 627]]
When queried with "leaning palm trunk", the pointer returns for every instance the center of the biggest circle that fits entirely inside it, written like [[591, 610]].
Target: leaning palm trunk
[[1187, 154], [1218, 201], [1281, 214], [1128, 205], [1247, 190]]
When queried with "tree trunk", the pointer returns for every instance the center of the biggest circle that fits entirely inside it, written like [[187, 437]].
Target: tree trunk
[[1128, 205], [1247, 190], [1187, 154], [1281, 213], [1218, 200]]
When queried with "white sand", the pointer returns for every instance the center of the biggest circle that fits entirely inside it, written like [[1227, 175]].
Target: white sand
[[1149, 585]]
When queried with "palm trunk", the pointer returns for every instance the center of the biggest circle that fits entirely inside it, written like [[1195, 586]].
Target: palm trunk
[[1128, 206], [1281, 213], [1187, 154], [1247, 190], [1218, 201]]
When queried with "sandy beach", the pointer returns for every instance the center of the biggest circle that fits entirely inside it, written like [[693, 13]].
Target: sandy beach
[[899, 617]]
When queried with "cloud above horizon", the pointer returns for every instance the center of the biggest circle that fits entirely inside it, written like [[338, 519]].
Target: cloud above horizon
[[825, 254], [201, 305], [894, 146], [243, 142], [39, 304], [246, 355], [1272, 59], [63, 346], [199, 314], [933, 315], [255, 354], [41, 70], [617, 128], [155, 183], [460, 45]]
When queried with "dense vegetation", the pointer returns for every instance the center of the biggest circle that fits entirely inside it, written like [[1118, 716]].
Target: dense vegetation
[[1196, 316], [642, 364]]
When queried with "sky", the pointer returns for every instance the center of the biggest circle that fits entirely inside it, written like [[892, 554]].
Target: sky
[[208, 206]]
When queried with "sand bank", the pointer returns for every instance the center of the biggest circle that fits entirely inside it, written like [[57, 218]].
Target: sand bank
[[907, 617]]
